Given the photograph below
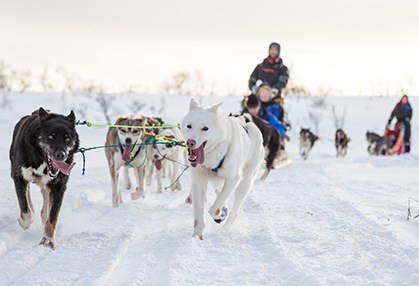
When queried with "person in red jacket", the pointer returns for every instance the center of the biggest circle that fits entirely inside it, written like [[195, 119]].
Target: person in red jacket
[[398, 147]]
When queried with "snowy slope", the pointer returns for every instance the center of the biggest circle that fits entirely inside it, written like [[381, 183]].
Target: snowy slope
[[324, 221]]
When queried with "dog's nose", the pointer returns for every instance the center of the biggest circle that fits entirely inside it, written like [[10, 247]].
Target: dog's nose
[[191, 143], [59, 155], [128, 140], [156, 157]]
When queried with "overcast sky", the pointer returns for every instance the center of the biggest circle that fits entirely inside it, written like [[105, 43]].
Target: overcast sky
[[351, 46]]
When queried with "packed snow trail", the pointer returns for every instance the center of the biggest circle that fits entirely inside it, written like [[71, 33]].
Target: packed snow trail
[[324, 221]]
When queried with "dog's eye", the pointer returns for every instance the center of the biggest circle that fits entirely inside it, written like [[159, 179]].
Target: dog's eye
[[135, 131], [67, 139], [51, 137], [189, 126], [168, 145], [123, 130], [205, 128]]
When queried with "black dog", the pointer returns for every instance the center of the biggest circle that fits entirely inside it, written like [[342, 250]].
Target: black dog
[[307, 140], [272, 141], [377, 145], [42, 152], [341, 143]]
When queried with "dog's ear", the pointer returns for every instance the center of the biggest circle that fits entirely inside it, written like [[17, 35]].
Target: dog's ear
[[72, 117], [42, 113], [144, 121], [215, 107], [120, 119], [193, 104]]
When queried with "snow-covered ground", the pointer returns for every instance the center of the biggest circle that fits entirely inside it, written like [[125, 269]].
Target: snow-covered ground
[[324, 221]]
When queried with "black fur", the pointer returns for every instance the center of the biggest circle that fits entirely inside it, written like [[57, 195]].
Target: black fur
[[341, 141], [377, 145], [271, 138], [38, 138], [309, 137]]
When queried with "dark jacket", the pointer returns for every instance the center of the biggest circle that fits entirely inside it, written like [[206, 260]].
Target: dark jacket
[[403, 112], [271, 71]]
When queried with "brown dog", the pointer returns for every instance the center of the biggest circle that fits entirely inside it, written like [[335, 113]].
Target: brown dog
[[341, 143], [128, 154]]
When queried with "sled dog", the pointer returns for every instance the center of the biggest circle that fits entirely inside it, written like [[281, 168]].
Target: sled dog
[[127, 153], [341, 143], [42, 152], [225, 152], [377, 145], [307, 140], [165, 159]]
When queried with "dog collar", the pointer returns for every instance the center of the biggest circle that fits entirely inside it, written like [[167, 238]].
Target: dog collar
[[215, 170]]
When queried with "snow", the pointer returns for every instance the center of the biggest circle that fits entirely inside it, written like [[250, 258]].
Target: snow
[[324, 221]]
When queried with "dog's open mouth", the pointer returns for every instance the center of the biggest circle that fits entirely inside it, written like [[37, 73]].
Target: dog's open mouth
[[126, 156], [158, 164], [197, 156], [59, 166]]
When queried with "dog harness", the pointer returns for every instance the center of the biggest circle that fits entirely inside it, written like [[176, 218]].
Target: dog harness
[[122, 150], [215, 170]]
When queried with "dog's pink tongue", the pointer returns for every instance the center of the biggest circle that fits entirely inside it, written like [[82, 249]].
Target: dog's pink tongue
[[63, 166], [126, 156], [157, 164], [199, 154]]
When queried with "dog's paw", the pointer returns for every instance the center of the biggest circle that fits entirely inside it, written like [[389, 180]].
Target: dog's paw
[[25, 220], [176, 187], [48, 241], [223, 215], [137, 195], [189, 200]]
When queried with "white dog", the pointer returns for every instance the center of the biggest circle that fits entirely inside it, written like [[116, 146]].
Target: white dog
[[165, 159], [224, 151]]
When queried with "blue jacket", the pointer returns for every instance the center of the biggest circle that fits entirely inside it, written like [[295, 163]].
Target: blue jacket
[[271, 114]]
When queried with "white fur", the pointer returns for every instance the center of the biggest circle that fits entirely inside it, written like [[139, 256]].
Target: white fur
[[36, 175], [243, 155], [119, 163], [169, 166]]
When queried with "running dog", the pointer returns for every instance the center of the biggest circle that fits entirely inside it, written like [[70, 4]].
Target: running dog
[[341, 143], [307, 140], [42, 152], [224, 151], [274, 144], [165, 158], [127, 152], [377, 145]]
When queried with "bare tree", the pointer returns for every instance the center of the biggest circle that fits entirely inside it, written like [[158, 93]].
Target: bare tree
[[24, 80], [339, 121], [105, 103], [315, 119], [136, 107], [44, 80], [319, 101], [186, 83], [5, 102], [5, 82]]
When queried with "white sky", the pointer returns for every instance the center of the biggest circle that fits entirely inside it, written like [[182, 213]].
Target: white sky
[[352, 46]]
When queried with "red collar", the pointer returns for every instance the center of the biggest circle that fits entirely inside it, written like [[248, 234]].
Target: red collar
[[273, 60]]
